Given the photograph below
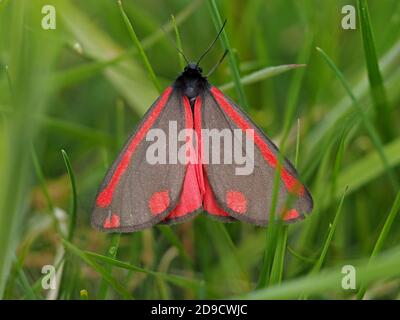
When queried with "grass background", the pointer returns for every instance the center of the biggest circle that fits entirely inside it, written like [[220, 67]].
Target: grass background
[[70, 96]]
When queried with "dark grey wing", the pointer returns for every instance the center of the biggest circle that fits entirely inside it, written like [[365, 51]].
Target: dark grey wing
[[137, 193], [246, 194]]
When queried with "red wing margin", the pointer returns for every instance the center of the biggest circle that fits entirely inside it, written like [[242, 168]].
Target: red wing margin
[[248, 197], [137, 193]]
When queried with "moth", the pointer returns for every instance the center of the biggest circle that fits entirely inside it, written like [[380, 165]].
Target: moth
[[136, 193]]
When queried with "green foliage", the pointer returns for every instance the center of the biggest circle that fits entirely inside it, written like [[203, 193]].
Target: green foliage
[[84, 86]]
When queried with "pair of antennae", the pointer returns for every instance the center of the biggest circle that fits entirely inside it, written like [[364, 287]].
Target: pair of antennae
[[207, 51], [212, 44]]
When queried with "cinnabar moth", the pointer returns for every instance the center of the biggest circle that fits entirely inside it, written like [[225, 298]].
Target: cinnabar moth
[[136, 194]]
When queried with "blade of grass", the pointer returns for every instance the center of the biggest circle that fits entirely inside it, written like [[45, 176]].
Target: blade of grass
[[180, 281], [115, 238], [340, 111], [262, 74], [10, 85], [383, 236], [139, 47], [272, 232], [216, 17], [229, 245], [301, 257], [182, 16], [294, 90], [328, 240], [74, 197], [77, 130], [338, 161], [364, 170], [231, 275], [296, 157], [19, 276], [369, 127], [178, 42], [29, 85], [174, 240], [279, 258], [128, 77], [276, 235], [378, 92], [330, 279], [101, 270], [112, 253], [69, 271], [277, 267], [43, 186], [42, 181], [73, 76]]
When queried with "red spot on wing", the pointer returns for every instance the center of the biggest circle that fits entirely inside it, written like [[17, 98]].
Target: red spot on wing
[[159, 202], [105, 197], [291, 183], [236, 201], [112, 222], [290, 215]]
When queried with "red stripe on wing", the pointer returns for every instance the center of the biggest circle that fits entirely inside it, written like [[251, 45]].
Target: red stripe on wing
[[105, 197], [209, 202], [291, 183], [190, 199]]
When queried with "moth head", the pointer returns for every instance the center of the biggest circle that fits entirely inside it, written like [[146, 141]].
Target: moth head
[[193, 67]]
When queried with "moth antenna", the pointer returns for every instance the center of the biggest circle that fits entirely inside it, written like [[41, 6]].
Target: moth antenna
[[217, 64], [212, 44]]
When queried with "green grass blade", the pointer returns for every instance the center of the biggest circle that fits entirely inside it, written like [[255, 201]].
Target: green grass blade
[[74, 197], [328, 240], [294, 91], [383, 235], [101, 270], [115, 238], [139, 47], [76, 130], [365, 170], [174, 240], [10, 85], [368, 125], [374, 74], [180, 17], [180, 281], [69, 271], [111, 253], [341, 109], [74, 76], [262, 74], [330, 279], [279, 258], [42, 181], [277, 267], [272, 232], [178, 40], [231, 57], [43, 186], [82, 132], [128, 77]]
